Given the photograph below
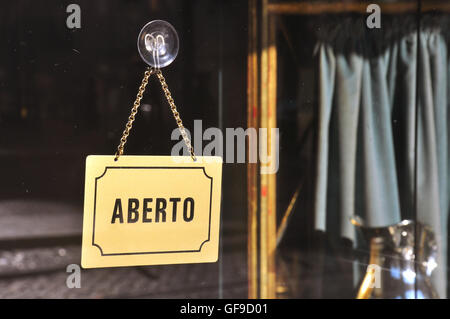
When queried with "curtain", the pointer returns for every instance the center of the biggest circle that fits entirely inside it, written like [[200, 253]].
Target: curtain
[[382, 143]]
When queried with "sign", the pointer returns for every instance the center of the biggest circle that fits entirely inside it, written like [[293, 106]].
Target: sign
[[151, 210]]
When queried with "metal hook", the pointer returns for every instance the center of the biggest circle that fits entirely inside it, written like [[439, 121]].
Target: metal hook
[[155, 45]]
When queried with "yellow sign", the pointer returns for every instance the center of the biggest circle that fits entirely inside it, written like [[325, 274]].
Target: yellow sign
[[151, 210]]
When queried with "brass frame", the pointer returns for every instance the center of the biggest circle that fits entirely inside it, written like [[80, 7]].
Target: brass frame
[[320, 7], [261, 107], [252, 179]]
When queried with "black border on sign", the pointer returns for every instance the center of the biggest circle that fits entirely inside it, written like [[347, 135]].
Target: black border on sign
[[152, 252]]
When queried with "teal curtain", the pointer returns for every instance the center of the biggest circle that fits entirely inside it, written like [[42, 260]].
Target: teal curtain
[[383, 132]]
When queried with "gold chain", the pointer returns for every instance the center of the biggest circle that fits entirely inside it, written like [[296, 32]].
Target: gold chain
[[176, 115], [136, 105], [134, 110]]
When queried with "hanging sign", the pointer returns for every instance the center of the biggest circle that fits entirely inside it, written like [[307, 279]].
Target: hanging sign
[[150, 210]]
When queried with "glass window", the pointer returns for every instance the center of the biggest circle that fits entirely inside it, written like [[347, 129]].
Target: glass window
[[342, 191]]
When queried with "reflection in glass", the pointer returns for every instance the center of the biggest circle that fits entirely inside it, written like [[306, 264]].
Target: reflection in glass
[[393, 270]]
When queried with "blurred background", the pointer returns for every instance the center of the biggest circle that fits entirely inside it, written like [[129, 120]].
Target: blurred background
[[67, 93]]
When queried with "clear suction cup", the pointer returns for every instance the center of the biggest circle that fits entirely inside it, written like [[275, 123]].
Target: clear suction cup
[[158, 43]]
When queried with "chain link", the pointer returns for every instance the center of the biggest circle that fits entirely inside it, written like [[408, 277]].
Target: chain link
[[176, 115], [134, 110], [137, 103]]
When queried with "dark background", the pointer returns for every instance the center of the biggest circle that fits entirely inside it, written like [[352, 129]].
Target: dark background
[[65, 94]]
